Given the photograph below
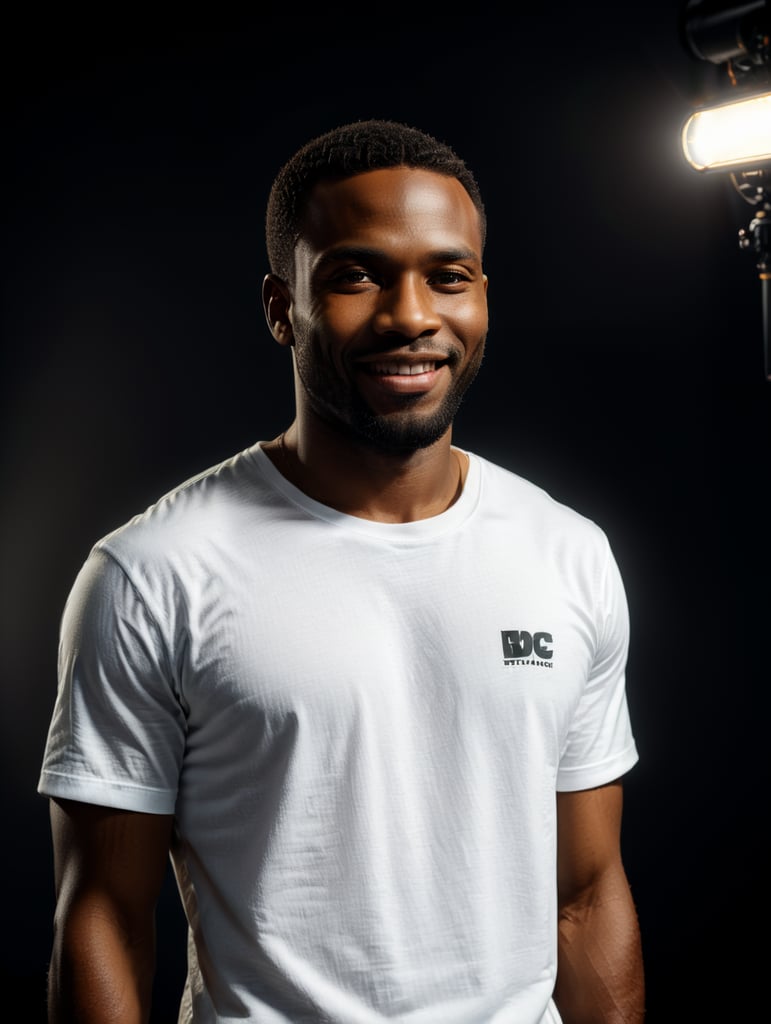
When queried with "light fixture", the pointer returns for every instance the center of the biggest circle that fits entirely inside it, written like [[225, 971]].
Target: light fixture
[[729, 136], [733, 133]]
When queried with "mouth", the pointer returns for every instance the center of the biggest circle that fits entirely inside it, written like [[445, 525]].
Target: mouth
[[400, 369], [396, 376]]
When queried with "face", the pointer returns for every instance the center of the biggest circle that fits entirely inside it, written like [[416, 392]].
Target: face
[[388, 311]]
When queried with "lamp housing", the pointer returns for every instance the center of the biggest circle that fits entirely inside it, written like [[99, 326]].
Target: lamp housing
[[730, 136], [719, 32]]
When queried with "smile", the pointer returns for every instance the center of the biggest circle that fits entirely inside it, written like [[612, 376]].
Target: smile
[[402, 369]]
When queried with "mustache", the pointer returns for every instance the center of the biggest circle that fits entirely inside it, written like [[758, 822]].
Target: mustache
[[423, 350]]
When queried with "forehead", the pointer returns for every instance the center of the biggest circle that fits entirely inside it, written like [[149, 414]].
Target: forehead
[[394, 204]]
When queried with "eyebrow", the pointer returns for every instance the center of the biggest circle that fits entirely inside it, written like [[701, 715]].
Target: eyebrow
[[364, 253]]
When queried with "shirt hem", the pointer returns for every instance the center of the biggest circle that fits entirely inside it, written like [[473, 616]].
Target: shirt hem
[[570, 780], [107, 794]]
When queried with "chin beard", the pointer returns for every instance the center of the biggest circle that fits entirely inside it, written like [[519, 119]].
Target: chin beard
[[402, 433], [397, 433]]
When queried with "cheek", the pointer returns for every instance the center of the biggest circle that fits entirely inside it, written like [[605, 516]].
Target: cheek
[[337, 325], [470, 324]]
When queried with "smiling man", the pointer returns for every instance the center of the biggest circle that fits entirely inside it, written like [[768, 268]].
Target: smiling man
[[366, 688], [385, 306]]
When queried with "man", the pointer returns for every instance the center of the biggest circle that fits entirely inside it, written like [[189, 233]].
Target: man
[[367, 688]]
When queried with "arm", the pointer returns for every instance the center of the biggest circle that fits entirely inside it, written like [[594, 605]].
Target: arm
[[109, 866], [599, 970]]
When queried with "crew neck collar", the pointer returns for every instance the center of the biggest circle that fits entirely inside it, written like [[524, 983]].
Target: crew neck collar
[[419, 529]]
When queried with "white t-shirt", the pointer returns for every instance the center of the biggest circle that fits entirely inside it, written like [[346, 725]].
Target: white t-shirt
[[359, 728]]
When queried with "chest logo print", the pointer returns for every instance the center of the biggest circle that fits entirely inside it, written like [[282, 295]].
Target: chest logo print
[[523, 648]]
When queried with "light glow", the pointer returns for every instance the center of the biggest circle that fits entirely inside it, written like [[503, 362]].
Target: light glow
[[731, 135]]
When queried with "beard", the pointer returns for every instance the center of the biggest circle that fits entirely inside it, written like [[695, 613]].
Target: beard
[[398, 432]]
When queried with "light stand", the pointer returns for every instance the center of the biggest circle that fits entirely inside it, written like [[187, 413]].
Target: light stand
[[757, 238], [735, 37]]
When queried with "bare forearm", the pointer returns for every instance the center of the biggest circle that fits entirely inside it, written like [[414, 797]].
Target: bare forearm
[[600, 970], [98, 975]]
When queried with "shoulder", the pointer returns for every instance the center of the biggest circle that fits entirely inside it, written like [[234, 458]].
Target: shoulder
[[191, 515], [532, 507], [536, 531]]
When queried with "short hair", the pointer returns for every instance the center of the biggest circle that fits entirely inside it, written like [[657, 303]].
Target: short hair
[[344, 152]]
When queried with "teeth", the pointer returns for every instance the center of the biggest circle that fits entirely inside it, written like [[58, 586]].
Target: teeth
[[403, 369]]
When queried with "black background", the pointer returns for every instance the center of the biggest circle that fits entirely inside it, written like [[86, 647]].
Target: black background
[[624, 374]]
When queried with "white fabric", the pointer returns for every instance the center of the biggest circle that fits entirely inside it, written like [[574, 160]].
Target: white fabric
[[364, 789]]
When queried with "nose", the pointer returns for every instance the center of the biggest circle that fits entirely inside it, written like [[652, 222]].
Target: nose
[[407, 307]]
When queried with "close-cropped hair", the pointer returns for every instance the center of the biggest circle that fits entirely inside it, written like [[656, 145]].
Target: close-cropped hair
[[343, 152]]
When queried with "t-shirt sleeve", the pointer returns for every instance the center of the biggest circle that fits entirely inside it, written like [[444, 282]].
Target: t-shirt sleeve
[[117, 731], [600, 746]]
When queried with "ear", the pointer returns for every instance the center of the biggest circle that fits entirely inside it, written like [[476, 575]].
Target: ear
[[277, 301]]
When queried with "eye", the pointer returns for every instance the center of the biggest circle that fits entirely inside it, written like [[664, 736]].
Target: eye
[[351, 278], [450, 278]]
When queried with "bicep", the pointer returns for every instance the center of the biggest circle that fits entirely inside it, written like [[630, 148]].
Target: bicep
[[599, 971], [109, 865], [588, 839], [111, 855]]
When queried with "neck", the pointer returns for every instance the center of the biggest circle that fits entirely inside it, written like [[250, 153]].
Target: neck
[[358, 480]]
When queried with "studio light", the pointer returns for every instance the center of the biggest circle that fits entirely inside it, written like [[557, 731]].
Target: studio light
[[732, 132], [734, 135]]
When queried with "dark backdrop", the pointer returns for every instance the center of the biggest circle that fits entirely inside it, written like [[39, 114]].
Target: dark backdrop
[[624, 374]]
